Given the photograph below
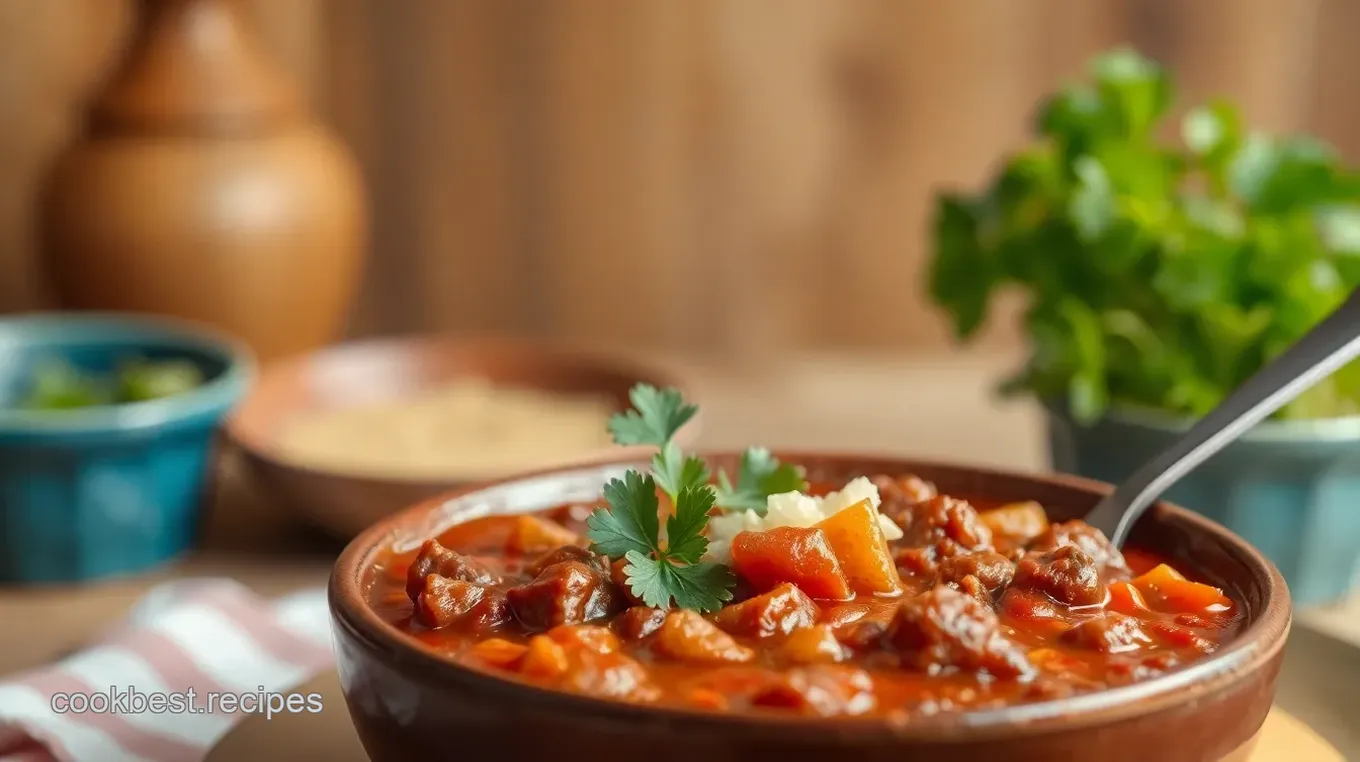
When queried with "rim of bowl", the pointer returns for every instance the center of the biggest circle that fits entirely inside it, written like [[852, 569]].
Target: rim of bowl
[[150, 330], [260, 445], [1344, 428], [1252, 647]]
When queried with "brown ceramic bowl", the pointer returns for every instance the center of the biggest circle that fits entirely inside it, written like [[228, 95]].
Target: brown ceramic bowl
[[345, 502], [407, 703]]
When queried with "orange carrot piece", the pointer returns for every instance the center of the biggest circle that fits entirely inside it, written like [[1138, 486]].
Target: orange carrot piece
[[1126, 599], [499, 652], [1170, 588], [544, 660], [590, 637], [1017, 522], [862, 550], [532, 534]]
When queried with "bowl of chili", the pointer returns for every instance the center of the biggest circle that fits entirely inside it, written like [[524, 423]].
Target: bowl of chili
[[991, 623]]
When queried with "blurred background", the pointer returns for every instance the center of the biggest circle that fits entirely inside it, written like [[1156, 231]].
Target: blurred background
[[759, 174], [737, 194]]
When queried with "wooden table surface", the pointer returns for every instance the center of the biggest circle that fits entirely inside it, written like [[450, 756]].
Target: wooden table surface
[[928, 407]]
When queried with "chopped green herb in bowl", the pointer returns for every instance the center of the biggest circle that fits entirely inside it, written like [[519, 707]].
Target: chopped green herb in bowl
[[58, 385]]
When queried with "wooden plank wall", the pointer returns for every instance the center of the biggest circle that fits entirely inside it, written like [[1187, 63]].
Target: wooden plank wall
[[750, 176]]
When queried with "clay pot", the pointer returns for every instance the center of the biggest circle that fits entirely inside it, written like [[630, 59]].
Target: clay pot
[[201, 189]]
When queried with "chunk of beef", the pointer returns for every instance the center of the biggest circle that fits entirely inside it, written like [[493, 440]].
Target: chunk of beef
[[945, 518], [446, 601], [778, 612], [639, 622], [1112, 634], [618, 574], [898, 495], [863, 635], [437, 559], [569, 553], [820, 691], [570, 592], [1089, 540], [1066, 574], [687, 636], [936, 530], [993, 570], [944, 628], [609, 675]]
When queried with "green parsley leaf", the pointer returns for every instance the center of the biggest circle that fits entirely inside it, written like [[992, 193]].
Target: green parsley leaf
[[630, 527], [703, 586], [657, 415], [647, 580], [674, 472], [631, 524], [684, 528], [759, 475]]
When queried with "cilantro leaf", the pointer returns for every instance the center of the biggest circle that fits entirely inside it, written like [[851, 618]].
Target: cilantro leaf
[[759, 475], [674, 472], [703, 586], [631, 524], [647, 580], [656, 415], [630, 528], [684, 528]]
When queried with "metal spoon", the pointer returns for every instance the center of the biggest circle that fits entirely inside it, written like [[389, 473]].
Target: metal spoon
[[1330, 345]]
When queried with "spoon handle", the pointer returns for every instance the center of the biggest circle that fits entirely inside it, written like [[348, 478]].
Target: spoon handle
[[1330, 345]]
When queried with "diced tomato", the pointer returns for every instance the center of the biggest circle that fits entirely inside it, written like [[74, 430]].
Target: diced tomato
[[799, 555]]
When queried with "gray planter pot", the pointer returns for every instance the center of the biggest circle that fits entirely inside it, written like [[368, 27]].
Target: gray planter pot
[[1292, 489]]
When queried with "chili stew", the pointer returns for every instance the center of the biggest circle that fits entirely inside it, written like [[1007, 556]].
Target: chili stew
[[970, 605]]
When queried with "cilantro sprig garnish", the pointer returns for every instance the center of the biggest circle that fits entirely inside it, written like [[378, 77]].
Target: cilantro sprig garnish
[[672, 571], [760, 475]]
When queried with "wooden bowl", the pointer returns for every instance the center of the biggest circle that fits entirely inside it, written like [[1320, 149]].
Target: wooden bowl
[[409, 703], [345, 502]]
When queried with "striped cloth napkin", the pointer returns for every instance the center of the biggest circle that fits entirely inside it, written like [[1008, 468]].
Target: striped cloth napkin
[[194, 658]]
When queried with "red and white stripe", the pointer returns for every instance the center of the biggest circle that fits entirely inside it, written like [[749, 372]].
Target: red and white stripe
[[213, 636]]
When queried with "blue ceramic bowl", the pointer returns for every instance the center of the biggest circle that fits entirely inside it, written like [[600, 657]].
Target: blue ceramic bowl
[[1290, 488], [111, 490]]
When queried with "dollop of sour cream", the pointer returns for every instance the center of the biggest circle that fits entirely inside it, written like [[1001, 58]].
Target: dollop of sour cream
[[793, 509]]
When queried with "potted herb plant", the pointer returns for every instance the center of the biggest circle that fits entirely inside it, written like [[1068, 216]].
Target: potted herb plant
[[1162, 270]]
